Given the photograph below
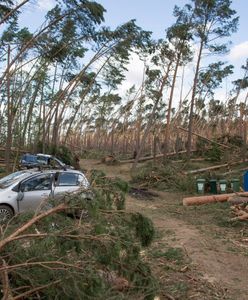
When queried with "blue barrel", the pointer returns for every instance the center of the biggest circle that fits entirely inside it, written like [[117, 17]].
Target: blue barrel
[[246, 181]]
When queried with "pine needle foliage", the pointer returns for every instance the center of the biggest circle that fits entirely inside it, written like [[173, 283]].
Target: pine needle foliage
[[167, 177], [94, 257]]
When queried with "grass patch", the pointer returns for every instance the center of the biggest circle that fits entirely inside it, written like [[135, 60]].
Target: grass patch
[[172, 254], [179, 289]]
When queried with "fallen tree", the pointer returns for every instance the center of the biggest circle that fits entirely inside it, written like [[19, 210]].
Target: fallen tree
[[146, 158], [226, 165], [52, 255], [204, 138]]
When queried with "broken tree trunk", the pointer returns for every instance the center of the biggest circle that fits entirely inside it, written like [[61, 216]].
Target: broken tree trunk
[[214, 167], [204, 138], [199, 200], [206, 169], [152, 157]]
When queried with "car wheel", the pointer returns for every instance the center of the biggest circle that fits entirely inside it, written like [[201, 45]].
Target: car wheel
[[6, 213]]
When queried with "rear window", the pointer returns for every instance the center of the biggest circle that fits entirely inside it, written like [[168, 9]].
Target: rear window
[[30, 158], [68, 179]]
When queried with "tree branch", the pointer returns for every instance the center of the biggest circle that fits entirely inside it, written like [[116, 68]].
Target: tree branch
[[34, 220]]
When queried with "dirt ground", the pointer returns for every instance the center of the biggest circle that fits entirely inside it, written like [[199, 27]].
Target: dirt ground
[[197, 253]]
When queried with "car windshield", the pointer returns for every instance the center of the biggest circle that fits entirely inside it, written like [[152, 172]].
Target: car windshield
[[10, 179]]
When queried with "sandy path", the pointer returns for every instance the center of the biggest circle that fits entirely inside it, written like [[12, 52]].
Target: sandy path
[[209, 255]]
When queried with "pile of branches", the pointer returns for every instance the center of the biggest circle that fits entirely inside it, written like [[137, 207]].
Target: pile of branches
[[165, 176], [52, 255], [239, 207], [240, 212]]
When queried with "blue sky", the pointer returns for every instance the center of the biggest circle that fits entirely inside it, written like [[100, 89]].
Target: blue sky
[[154, 15], [157, 15]]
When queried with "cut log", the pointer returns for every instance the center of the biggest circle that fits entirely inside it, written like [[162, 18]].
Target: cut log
[[199, 200]]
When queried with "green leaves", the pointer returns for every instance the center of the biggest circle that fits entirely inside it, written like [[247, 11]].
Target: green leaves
[[211, 77], [144, 229]]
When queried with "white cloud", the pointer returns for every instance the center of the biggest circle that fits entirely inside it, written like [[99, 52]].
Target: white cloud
[[45, 5], [134, 74], [239, 51]]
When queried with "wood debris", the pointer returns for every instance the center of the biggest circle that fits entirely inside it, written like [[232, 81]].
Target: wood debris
[[109, 160], [238, 199], [240, 211]]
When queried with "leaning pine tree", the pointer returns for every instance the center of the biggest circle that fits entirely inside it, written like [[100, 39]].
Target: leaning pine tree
[[211, 20]]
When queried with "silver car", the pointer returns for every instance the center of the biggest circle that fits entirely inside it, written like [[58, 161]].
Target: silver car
[[25, 190]]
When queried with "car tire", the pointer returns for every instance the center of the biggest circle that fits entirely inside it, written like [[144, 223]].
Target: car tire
[[6, 213]]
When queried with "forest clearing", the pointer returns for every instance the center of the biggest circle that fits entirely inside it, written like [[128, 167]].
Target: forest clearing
[[123, 150]]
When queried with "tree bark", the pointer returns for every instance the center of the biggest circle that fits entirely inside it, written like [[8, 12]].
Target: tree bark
[[168, 119], [191, 114]]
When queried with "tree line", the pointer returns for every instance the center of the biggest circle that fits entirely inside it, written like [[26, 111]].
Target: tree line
[[60, 83]]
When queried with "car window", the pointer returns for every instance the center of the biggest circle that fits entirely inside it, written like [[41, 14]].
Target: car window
[[38, 183], [29, 158], [68, 179]]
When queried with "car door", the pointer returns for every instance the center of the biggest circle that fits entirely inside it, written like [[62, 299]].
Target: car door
[[65, 182], [35, 190]]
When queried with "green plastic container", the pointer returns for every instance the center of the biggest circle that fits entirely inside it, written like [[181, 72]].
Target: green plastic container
[[223, 186], [213, 186], [200, 185], [235, 185]]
